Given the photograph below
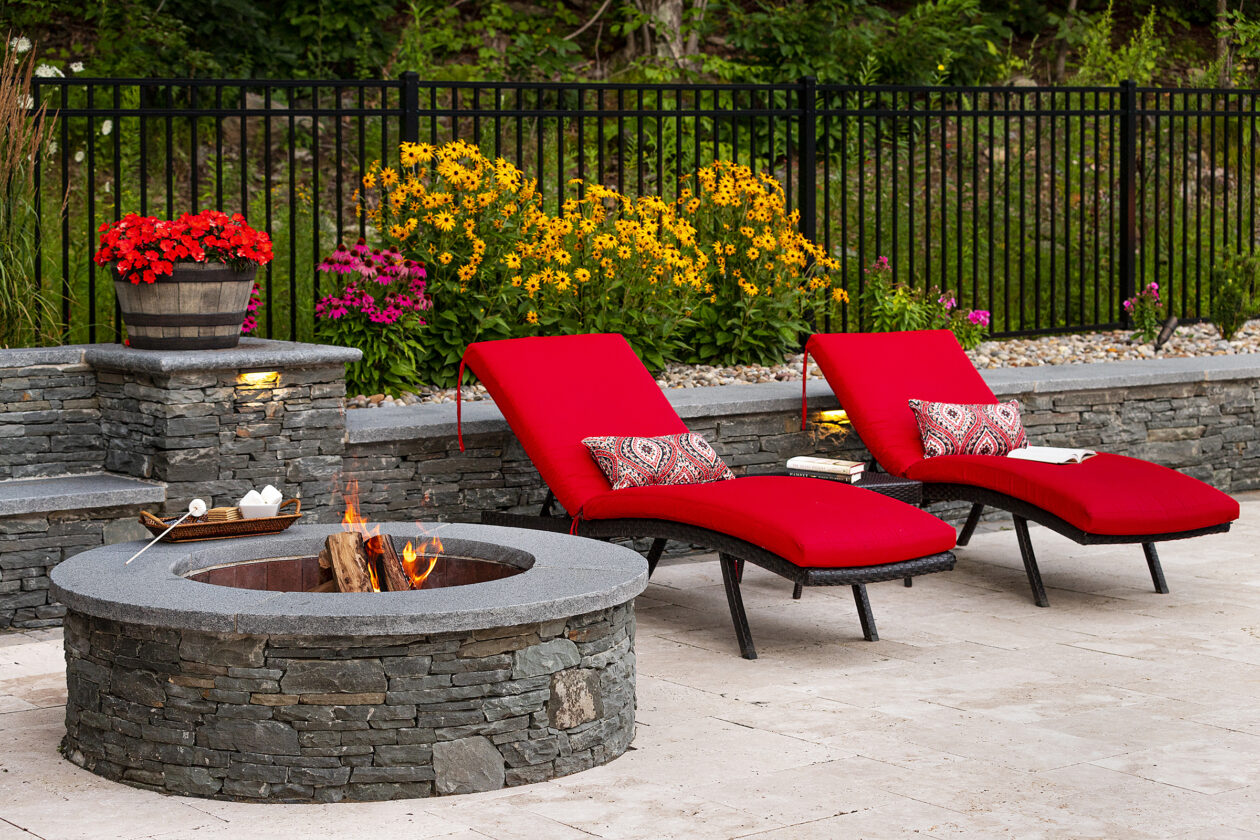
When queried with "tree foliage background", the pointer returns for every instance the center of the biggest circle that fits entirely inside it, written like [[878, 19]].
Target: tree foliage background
[[846, 41]]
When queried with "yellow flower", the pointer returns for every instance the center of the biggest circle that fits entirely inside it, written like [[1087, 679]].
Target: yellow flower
[[531, 317], [512, 260], [581, 275], [517, 280], [369, 180], [445, 258], [839, 295], [388, 177], [467, 272], [563, 257], [398, 232], [444, 222]]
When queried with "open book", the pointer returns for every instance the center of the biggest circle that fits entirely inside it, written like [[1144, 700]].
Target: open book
[[1051, 454]]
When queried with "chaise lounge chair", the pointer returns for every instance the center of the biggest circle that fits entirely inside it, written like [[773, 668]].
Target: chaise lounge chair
[[556, 391], [1105, 499]]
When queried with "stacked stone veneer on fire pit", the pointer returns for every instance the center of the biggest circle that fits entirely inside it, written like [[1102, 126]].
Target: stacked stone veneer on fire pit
[[358, 696], [310, 718]]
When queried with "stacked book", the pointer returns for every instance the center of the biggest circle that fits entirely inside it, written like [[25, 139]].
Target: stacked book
[[832, 468]]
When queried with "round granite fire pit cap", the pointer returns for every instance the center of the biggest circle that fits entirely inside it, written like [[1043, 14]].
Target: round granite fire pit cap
[[567, 576]]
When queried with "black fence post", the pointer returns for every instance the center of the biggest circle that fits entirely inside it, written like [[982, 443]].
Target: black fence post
[[807, 170], [807, 164], [411, 107], [1128, 193]]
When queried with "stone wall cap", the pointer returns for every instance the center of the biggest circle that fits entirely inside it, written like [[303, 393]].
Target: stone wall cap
[[75, 492], [20, 357], [250, 354], [570, 576]]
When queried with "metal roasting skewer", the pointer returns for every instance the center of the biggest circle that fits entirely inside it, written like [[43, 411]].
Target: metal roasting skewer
[[196, 507]]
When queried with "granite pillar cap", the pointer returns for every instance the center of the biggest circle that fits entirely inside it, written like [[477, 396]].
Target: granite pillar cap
[[250, 354]]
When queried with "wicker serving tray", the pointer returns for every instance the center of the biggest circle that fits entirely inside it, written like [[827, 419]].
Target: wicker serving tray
[[195, 531]]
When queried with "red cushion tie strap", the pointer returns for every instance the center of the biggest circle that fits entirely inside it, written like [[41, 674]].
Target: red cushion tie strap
[[459, 410], [577, 520], [804, 375]]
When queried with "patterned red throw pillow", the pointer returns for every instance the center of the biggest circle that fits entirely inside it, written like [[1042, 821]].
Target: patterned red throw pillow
[[651, 461], [985, 429]]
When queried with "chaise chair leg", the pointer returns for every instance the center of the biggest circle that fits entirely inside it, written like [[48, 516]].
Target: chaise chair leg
[[730, 579], [969, 527], [1030, 562], [654, 555], [797, 591], [864, 612], [1157, 571]]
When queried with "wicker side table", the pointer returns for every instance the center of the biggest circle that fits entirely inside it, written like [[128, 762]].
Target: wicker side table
[[895, 487]]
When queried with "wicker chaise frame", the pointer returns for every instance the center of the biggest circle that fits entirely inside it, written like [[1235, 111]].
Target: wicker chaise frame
[[1022, 512], [733, 553]]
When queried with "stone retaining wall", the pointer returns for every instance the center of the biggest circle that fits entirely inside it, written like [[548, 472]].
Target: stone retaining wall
[[31, 545], [194, 422], [1195, 415], [204, 423], [50, 419], [323, 719]]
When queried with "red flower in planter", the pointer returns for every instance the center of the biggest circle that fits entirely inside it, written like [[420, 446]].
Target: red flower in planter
[[145, 246]]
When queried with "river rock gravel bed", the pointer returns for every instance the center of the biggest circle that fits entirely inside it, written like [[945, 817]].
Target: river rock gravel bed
[[1190, 340]]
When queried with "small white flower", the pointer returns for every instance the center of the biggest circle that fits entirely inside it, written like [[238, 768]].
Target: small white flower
[[21, 44], [48, 71], [52, 147], [76, 67], [107, 127], [78, 156]]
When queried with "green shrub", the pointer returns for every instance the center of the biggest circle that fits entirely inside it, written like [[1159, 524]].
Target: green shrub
[[1234, 293], [889, 306]]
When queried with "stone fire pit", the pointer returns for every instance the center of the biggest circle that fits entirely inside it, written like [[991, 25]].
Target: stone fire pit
[[218, 691]]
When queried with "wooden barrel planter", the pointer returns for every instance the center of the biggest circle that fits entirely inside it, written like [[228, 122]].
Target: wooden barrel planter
[[200, 306]]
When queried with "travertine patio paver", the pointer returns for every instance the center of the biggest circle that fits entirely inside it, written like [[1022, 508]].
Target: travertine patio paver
[[1116, 713]]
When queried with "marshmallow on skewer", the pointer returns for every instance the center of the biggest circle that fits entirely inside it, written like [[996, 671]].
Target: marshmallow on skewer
[[197, 507]]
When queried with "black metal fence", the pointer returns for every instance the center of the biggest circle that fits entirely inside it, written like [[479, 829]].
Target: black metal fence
[[1047, 206]]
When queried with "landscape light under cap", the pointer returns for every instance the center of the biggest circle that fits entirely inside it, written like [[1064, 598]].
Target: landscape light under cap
[[835, 415], [259, 378]]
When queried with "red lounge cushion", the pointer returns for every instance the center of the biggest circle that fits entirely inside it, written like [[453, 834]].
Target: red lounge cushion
[[874, 374], [811, 522], [1105, 494], [953, 429], [652, 461], [554, 391]]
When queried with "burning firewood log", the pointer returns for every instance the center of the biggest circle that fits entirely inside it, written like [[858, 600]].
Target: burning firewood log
[[350, 562], [380, 550]]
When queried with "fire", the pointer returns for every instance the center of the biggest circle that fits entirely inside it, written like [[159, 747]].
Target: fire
[[353, 520], [413, 559]]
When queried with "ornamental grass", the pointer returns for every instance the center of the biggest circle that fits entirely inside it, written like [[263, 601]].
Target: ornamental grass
[[25, 132]]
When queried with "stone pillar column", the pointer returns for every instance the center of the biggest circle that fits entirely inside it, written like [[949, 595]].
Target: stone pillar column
[[216, 423]]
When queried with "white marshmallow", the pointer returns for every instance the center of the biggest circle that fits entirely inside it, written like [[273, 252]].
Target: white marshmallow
[[271, 496], [251, 498]]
